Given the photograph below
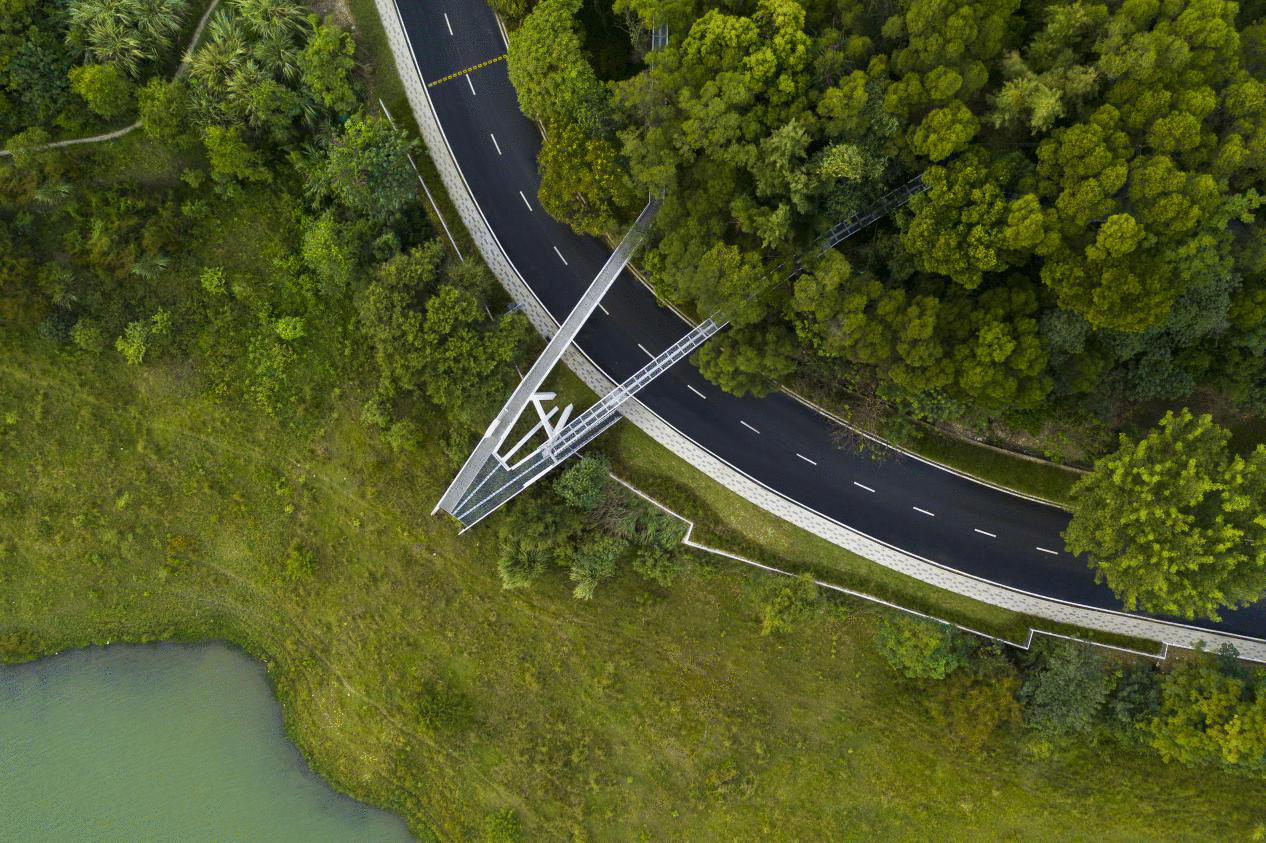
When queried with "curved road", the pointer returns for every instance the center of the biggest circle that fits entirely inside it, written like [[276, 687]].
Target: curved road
[[906, 503]]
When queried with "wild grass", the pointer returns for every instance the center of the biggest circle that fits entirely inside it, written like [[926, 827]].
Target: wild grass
[[135, 507]]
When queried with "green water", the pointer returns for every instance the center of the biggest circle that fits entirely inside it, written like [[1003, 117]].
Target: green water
[[161, 743]]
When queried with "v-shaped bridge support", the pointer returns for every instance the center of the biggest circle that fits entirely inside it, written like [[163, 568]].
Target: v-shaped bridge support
[[490, 478], [486, 460]]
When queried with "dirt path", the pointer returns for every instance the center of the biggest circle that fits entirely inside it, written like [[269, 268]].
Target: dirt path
[[118, 133]]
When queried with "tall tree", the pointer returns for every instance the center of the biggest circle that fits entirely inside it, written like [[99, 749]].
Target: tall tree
[[1175, 522]]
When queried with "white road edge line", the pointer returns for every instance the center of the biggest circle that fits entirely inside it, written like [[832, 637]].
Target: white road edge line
[[560, 256], [924, 511], [696, 392], [861, 486], [603, 309], [806, 459], [1051, 552], [471, 84], [494, 142], [448, 24], [525, 202], [748, 426], [648, 354], [985, 533]]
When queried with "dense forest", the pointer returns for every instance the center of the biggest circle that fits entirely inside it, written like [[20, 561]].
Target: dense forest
[[1086, 254], [1088, 243]]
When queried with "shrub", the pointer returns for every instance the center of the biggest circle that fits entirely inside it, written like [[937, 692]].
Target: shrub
[[1066, 694], [786, 601], [921, 649]]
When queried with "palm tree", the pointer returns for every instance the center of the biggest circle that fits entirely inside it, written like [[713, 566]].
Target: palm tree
[[150, 267], [222, 51], [277, 53], [270, 18], [125, 33]]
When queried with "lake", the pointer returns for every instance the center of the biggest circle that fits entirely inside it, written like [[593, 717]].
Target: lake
[[161, 743]]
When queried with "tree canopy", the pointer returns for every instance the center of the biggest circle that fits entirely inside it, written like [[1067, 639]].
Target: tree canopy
[[1090, 232], [1175, 522]]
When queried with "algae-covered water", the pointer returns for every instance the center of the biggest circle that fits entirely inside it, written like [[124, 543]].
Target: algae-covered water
[[140, 744]]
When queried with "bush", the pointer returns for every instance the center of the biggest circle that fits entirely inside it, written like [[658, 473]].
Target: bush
[[106, 90], [786, 601], [593, 563], [973, 703], [502, 827], [87, 336], [921, 649], [585, 482], [289, 328], [657, 565], [163, 110], [1066, 694]]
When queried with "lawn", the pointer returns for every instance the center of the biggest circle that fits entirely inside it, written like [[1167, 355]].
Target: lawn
[[133, 507]]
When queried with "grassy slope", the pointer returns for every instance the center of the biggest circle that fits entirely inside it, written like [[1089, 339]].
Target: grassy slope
[[134, 508]]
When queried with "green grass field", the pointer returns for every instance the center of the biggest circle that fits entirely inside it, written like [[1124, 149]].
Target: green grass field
[[132, 507]]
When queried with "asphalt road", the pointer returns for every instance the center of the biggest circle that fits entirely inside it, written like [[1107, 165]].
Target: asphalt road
[[901, 501]]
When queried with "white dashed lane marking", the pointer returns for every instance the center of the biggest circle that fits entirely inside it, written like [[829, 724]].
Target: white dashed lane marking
[[862, 486], [525, 202], [924, 511], [648, 354], [448, 23], [494, 142], [748, 426], [603, 309], [472, 85], [806, 459], [1051, 552], [696, 392], [560, 256], [985, 533]]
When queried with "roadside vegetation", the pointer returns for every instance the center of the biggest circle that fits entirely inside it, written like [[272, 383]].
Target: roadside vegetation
[[1086, 257], [237, 368], [139, 505]]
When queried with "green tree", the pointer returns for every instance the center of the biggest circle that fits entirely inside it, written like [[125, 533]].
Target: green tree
[[945, 131], [232, 158], [1208, 717], [1173, 522], [125, 33], [328, 253], [921, 649], [326, 64], [467, 358], [1066, 692], [367, 168], [550, 73], [582, 182], [107, 91], [163, 110], [391, 313]]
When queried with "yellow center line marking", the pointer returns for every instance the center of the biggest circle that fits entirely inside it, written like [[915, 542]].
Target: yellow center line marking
[[473, 67]]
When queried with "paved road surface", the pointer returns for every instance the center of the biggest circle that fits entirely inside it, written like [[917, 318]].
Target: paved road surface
[[901, 501]]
